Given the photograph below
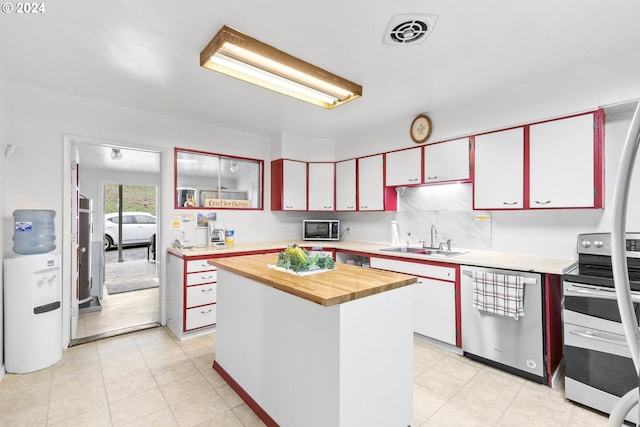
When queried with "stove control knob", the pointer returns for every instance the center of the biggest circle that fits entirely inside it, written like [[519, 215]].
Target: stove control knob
[[585, 243], [598, 244]]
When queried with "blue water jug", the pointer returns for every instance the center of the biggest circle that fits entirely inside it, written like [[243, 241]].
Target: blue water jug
[[33, 231]]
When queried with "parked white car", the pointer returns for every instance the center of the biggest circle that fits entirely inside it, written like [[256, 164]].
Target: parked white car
[[137, 228]]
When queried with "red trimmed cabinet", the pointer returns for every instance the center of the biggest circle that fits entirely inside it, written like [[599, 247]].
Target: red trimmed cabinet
[[288, 185], [556, 164], [191, 295]]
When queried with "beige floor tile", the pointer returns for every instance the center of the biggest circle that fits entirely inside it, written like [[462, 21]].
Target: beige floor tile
[[185, 388], [229, 395], [544, 400], [456, 414], [122, 366], [23, 400], [156, 359], [440, 383], [226, 419], [75, 367], [492, 380], [586, 417], [76, 404], [199, 409], [163, 418], [35, 415], [174, 371], [130, 386], [14, 383], [247, 416], [136, 407], [204, 361], [487, 404], [426, 403], [456, 367], [83, 382], [98, 417]]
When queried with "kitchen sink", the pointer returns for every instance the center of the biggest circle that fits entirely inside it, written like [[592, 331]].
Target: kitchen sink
[[418, 250]]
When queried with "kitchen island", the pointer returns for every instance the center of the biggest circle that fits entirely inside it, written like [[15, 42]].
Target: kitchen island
[[329, 349]]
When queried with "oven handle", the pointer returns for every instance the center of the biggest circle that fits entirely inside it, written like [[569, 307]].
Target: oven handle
[[579, 291], [597, 336]]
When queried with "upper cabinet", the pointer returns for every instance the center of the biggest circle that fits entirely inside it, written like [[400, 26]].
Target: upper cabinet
[[346, 185], [371, 183], [550, 165], [498, 179], [446, 161], [288, 185], [216, 181], [321, 186], [564, 163], [404, 167]]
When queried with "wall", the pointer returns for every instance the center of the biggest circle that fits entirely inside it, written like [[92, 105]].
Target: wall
[[3, 179]]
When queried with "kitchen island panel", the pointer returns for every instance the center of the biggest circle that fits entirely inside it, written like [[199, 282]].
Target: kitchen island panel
[[301, 363]]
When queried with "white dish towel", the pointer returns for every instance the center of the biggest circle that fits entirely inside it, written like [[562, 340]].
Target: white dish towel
[[501, 294]]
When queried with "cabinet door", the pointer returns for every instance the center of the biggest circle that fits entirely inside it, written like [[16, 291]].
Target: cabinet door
[[371, 183], [346, 185], [321, 184], [404, 167], [447, 161], [562, 163], [498, 181], [294, 189], [434, 308]]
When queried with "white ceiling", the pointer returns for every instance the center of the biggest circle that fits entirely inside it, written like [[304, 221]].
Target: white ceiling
[[145, 54]]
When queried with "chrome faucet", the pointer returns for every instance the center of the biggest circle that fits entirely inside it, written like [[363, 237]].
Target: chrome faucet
[[434, 237]]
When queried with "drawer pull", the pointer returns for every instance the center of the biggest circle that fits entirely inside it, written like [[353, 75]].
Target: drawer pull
[[206, 291], [432, 177], [206, 277], [509, 203], [206, 312], [543, 203]]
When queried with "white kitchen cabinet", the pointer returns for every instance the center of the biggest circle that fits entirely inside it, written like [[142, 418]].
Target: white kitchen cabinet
[[562, 163], [192, 293], [346, 185], [288, 185], [498, 180], [321, 185], [446, 161], [371, 183], [434, 297], [404, 167]]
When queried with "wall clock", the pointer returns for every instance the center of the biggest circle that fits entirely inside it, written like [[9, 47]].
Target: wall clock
[[420, 129]]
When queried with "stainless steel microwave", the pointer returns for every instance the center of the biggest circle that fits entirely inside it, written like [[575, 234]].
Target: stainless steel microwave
[[321, 229]]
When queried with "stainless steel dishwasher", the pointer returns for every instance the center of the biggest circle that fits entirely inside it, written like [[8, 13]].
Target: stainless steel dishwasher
[[512, 344]]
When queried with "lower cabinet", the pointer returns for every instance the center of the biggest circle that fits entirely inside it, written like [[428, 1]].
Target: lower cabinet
[[191, 295], [435, 302]]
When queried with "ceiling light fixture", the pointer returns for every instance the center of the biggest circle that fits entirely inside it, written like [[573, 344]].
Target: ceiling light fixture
[[237, 55], [116, 154]]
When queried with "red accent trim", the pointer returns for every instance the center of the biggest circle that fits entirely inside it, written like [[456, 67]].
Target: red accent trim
[[472, 170], [255, 407], [458, 308], [357, 207], [527, 169], [553, 317], [422, 164], [277, 182], [598, 158]]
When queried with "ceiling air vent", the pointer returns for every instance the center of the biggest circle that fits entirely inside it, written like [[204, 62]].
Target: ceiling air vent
[[409, 28]]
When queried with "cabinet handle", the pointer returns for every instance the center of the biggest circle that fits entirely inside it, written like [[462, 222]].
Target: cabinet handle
[[413, 179], [363, 207], [349, 207], [206, 291], [328, 207], [288, 206], [207, 277], [206, 312], [432, 177], [543, 203], [509, 203]]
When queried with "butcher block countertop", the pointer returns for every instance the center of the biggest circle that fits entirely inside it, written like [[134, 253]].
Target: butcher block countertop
[[345, 283]]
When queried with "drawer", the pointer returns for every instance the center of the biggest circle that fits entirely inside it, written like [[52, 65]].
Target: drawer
[[201, 295], [200, 316], [414, 268], [199, 265], [202, 277]]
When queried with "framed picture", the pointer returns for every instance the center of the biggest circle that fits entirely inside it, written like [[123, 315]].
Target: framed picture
[[204, 217]]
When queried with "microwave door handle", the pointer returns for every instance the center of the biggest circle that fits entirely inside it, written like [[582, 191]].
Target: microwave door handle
[[597, 336]]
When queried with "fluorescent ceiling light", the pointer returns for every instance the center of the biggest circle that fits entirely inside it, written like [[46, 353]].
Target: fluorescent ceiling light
[[237, 55]]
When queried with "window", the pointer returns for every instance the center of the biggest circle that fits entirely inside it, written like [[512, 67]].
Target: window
[[215, 181]]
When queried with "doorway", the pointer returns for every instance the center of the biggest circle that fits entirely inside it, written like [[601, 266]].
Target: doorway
[[125, 290], [126, 280]]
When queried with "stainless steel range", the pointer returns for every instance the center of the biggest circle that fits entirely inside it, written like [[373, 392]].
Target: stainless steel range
[[599, 368]]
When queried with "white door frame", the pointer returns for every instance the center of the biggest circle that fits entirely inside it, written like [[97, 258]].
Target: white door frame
[[69, 232]]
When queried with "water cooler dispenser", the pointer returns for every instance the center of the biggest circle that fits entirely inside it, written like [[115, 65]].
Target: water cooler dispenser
[[32, 295]]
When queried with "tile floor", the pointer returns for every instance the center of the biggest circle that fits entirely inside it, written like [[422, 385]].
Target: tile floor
[[150, 378], [123, 310]]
